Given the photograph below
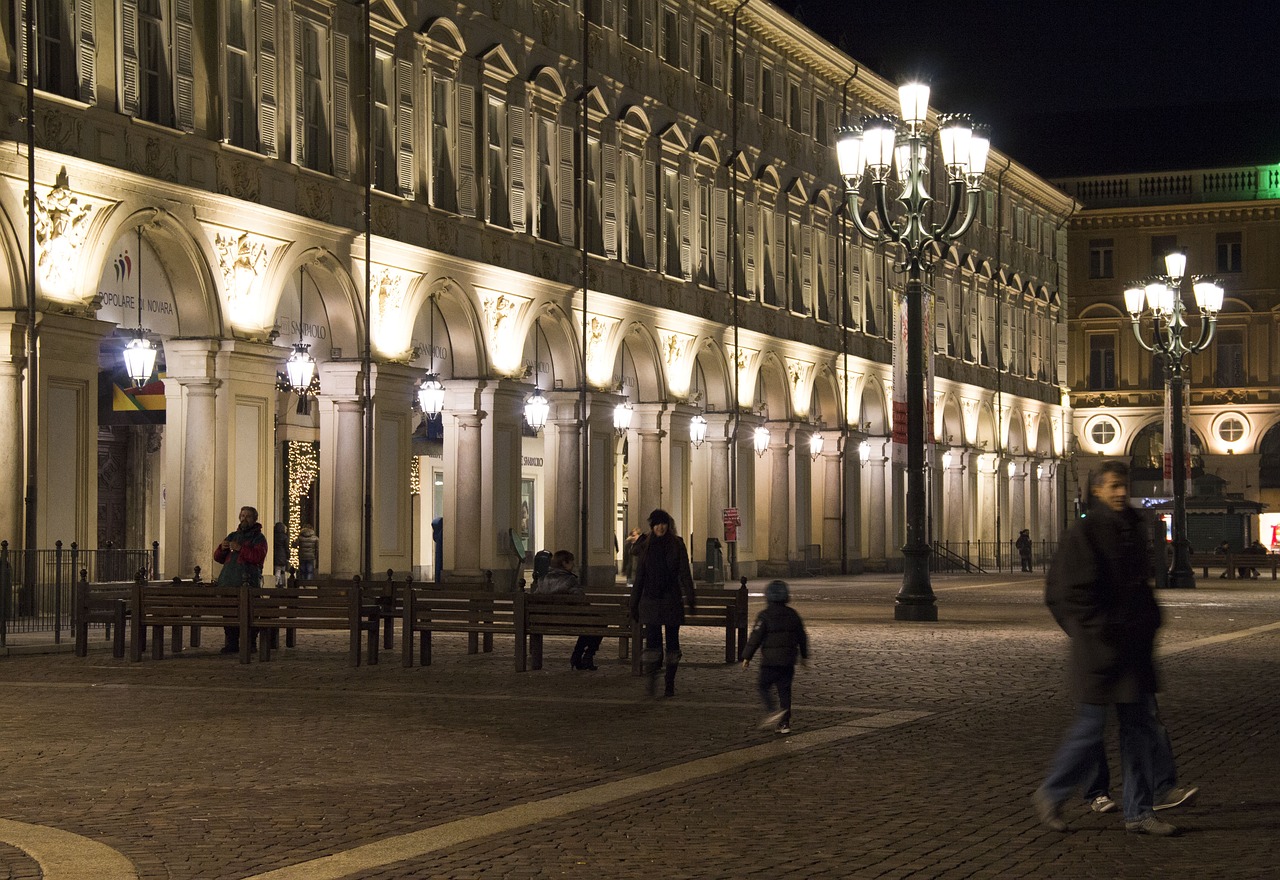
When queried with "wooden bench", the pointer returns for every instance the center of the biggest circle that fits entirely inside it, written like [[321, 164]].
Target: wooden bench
[[1234, 561], [723, 608], [320, 605], [156, 606], [429, 610], [604, 613], [104, 603]]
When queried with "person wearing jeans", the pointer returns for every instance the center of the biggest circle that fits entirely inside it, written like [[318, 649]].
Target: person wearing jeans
[[662, 587], [1098, 592]]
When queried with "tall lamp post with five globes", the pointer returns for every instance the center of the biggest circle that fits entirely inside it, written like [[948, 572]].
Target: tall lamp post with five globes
[[884, 144], [1160, 300]]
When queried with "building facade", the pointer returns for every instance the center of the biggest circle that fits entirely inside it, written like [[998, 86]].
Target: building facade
[[1227, 220], [641, 211]]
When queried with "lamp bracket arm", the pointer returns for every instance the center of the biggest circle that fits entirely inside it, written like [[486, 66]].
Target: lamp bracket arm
[[1207, 326], [863, 229], [942, 233], [1137, 334]]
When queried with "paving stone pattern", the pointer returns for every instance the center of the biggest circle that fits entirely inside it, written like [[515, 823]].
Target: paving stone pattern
[[198, 767]]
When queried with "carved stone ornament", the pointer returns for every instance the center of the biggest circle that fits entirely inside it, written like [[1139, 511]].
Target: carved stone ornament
[[498, 311], [241, 257], [674, 346], [62, 221]]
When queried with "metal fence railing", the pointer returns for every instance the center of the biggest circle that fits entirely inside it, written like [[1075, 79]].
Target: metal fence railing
[[988, 556], [36, 585]]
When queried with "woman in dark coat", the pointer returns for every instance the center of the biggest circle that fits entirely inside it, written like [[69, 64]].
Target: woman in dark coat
[[663, 585]]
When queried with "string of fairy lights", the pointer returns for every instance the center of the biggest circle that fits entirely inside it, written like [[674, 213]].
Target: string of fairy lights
[[302, 459]]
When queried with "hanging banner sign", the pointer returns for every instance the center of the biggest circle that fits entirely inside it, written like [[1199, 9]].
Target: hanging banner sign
[[731, 523]]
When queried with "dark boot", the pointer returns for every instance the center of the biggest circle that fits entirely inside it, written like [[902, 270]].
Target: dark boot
[[673, 663], [651, 664]]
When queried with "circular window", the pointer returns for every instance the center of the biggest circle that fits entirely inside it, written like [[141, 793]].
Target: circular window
[[1103, 431], [1231, 429]]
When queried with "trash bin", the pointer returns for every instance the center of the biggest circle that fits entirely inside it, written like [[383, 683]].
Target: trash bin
[[715, 563]]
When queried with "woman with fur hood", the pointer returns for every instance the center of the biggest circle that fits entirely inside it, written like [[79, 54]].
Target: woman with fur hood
[[662, 587]]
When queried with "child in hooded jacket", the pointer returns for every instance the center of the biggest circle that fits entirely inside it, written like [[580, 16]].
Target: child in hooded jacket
[[779, 636]]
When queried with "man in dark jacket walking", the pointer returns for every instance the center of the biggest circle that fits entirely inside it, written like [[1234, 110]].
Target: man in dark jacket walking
[[662, 587], [1098, 593], [241, 555], [779, 636]]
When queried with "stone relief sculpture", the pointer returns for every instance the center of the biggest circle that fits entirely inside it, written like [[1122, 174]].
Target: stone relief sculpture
[[61, 221], [241, 258]]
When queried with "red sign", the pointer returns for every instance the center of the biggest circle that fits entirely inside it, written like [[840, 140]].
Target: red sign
[[731, 523]]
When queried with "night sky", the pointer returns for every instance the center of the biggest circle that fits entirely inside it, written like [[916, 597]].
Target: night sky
[[1078, 87]]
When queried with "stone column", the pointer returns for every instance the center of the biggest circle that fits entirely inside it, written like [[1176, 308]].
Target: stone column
[[464, 480], [779, 523], [1018, 508], [676, 478], [716, 450], [501, 437], [748, 511], [12, 427], [878, 506], [562, 451], [600, 567], [191, 491], [394, 389], [953, 507], [645, 477], [342, 463], [831, 471]]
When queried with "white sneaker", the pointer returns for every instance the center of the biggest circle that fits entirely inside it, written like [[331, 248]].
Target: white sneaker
[[1102, 804], [1176, 797], [784, 727], [771, 719]]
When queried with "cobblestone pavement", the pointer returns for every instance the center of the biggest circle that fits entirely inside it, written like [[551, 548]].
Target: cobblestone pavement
[[916, 747]]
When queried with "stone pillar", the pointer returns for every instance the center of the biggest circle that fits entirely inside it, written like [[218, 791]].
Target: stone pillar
[[831, 471], [748, 511], [1018, 508], [953, 506], [67, 477], [780, 509], [854, 511], [676, 477], [342, 462], [716, 450], [562, 453], [464, 480], [501, 438], [244, 452], [878, 506], [645, 472], [191, 492], [12, 427], [394, 389], [600, 567]]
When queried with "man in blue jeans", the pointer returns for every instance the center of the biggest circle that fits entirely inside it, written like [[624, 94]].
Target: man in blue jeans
[[1168, 794], [1098, 592]]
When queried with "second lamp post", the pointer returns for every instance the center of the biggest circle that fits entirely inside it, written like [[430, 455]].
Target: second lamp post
[[1160, 299]]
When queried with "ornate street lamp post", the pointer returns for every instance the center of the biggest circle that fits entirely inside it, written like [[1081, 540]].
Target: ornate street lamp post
[[883, 143], [1160, 300]]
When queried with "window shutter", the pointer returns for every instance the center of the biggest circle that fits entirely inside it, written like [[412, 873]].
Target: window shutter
[[806, 267], [609, 210], [467, 196], [268, 83], [20, 26], [515, 127], [606, 8], [779, 108], [299, 102], [749, 214], [684, 42], [650, 211], [717, 63], [720, 234], [749, 79], [565, 186], [405, 168], [686, 222], [86, 50], [853, 282], [1061, 377], [341, 106], [780, 255], [806, 111], [129, 56], [184, 57], [941, 294], [648, 23]]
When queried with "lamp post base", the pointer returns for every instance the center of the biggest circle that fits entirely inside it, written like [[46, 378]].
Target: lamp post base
[[1181, 579], [915, 601]]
